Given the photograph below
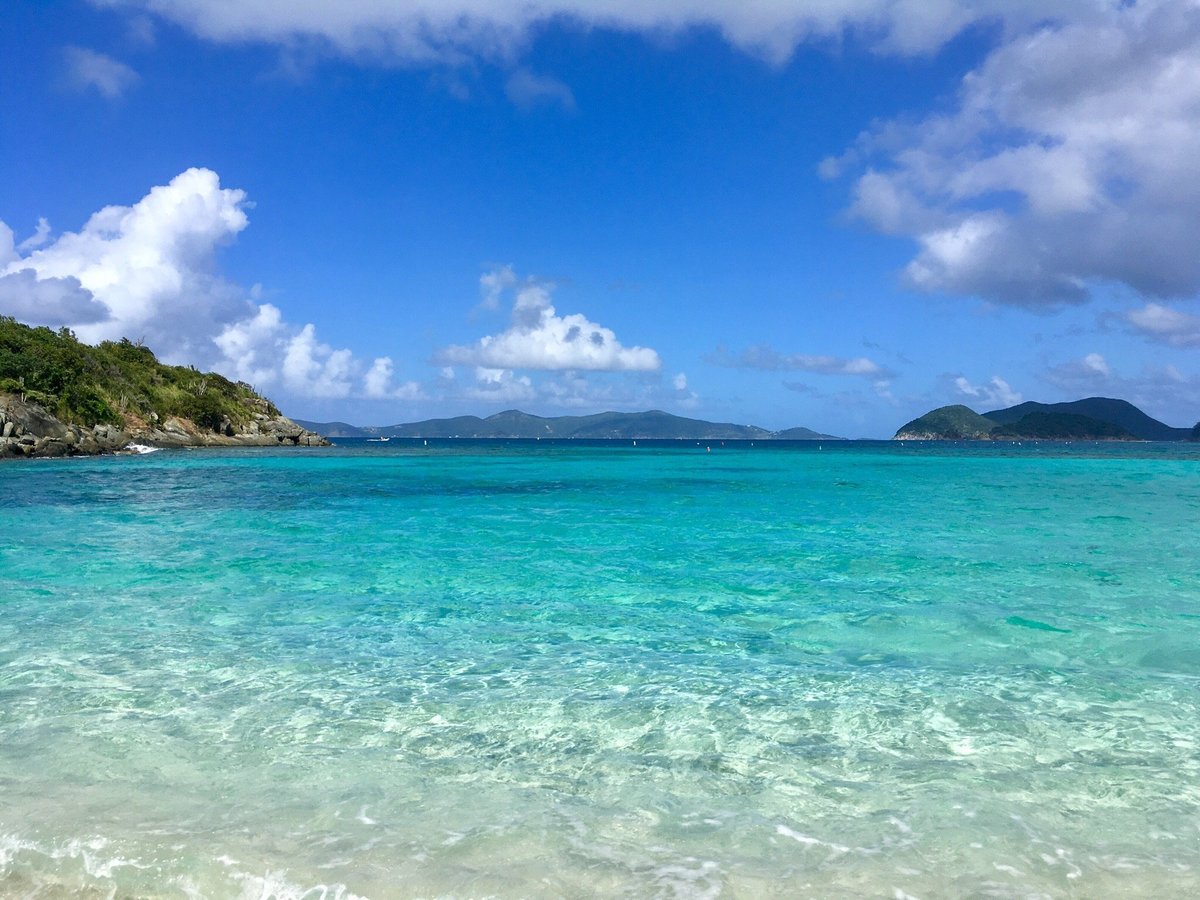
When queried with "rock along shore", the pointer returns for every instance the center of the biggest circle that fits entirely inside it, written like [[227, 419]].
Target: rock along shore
[[27, 430]]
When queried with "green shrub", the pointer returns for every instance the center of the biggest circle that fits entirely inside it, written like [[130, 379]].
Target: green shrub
[[206, 410], [84, 404], [90, 385]]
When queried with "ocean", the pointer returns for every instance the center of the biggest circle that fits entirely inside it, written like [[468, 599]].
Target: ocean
[[564, 669]]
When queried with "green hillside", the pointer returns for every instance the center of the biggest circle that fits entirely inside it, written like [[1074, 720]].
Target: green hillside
[[1096, 419], [512, 423], [952, 423], [516, 424], [804, 434], [1060, 426], [1120, 413], [115, 381]]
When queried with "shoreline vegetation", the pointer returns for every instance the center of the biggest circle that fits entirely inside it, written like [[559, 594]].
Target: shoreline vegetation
[[61, 397]]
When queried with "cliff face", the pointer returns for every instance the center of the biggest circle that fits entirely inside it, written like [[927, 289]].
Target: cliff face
[[27, 429]]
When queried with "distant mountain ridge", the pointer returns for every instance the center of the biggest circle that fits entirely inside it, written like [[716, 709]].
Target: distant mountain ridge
[[1121, 413], [512, 423], [1093, 418]]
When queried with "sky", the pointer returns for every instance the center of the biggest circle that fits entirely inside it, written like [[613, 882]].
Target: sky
[[836, 214]]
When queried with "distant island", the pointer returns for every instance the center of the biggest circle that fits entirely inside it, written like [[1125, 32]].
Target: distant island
[[1091, 419], [514, 424], [61, 397]]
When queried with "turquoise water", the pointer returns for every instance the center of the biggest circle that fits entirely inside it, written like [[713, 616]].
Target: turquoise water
[[528, 670]]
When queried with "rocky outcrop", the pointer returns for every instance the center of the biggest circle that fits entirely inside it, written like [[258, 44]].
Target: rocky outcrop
[[26, 429]]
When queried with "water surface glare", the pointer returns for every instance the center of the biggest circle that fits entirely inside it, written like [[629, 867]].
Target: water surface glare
[[558, 670]]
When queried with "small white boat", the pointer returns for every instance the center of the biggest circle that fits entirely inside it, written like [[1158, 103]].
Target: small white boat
[[378, 440]]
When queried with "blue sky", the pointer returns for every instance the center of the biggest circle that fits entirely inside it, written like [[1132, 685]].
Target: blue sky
[[835, 214]]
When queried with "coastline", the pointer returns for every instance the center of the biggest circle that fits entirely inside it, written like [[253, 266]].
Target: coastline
[[28, 430]]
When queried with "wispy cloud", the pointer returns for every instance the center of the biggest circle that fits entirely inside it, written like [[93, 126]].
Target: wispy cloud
[[996, 392], [440, 32], [1169, 326], [768, 359], [40, 235], [1089, 374], [526, 90], [89, 69]]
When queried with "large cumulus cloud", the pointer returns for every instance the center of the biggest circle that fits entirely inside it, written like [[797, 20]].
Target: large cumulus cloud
[[48, 301], [148, 271], [1068, 161]]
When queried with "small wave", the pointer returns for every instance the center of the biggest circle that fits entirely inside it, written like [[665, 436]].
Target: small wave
[[88, 856], [277, 887], [93, 866], [141, 448]]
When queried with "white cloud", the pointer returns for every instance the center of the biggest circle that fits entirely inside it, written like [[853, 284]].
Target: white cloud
[[264, 350], [148, 271], [1170, 326], [684, 398], [996, 392], [886, 204], [526, 90], [89, 69], [409, 390], [377, 383], [1090, 374], [1096, 363], [40, 235], [49, 301], [604, 390], [1068, 160], [310, 367], [493, 284], [140, 30], [766, 358], [8, 249], [500, 386], [253, 347], [455, 31], [539, 338], [152, 264]]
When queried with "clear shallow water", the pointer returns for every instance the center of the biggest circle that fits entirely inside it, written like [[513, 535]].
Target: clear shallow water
[[536, 670]]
